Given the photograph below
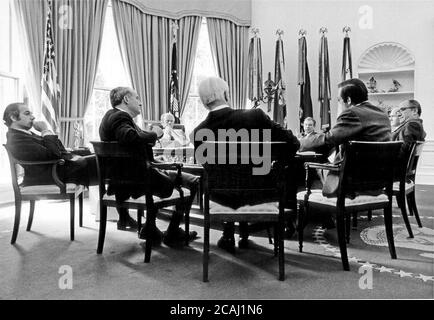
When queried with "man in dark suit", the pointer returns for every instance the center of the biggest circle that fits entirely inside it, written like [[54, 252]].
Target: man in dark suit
[[359, 120], [410, 129], [118, 125], [214, 94], [28, 146]]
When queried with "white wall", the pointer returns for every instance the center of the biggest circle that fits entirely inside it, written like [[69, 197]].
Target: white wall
[[410, 23]]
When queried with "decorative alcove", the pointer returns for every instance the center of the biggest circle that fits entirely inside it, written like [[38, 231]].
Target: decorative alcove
[[387, 69]]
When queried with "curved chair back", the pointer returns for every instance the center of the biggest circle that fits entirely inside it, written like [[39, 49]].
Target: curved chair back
[[416, 151]]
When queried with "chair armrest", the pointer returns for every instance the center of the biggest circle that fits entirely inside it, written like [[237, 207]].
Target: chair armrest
[[167, 165], [37, 163], [324, 166]]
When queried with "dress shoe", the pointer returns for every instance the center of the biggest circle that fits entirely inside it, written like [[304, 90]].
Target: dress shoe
[[244, 243], [128, 224], [157, 235], [227, 244], [174, 239]]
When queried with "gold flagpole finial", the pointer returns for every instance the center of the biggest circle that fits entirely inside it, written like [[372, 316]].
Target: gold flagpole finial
[[346, 29], [302, 32], [255, 32], [279, 32], [323, 30]]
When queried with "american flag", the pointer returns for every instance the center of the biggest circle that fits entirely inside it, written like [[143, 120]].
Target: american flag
[[50, 94], [174, 90]]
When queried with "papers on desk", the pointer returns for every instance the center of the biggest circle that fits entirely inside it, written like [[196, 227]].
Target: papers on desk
[[307, 153]]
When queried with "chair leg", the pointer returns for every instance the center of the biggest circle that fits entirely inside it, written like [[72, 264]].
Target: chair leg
[[409, 206], [413, 205], [187, 207], [206, 227], [31, 212], [80, 210], [270, 236], [348, 226], [71, 217], [16, 221], [389, 230], [355, 220], [276, 239], [102, 227], [340, 226], [302, 216], [280, 238], [140, 214], [151, 214], [369, 215], [401, 199]]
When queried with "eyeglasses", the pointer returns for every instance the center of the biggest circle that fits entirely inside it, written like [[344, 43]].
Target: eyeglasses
[[405, 108]]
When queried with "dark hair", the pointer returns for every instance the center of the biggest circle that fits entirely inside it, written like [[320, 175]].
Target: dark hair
[[415, 105], [12, 110], [117, 95], [355, 89], [311, 119]]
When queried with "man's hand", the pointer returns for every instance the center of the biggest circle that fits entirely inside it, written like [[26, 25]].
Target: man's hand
[[158, 131], [40, 126]]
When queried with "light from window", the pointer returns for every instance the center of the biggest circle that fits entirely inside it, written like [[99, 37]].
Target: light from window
[[195, 112]]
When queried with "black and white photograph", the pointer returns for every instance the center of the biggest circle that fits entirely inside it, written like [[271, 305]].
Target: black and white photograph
[[216, 158]]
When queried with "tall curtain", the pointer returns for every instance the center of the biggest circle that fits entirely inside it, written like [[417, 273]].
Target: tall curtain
[[77, 33], [145, 42], [189, 28], [31, 16], [230, 49]]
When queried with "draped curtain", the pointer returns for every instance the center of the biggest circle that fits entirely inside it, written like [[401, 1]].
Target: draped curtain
[[77, 32], [31, 17], [230, 47], [145, 42]]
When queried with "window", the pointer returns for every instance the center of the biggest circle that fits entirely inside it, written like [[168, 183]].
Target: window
[[11, 84], [110, 74], [194, 111]]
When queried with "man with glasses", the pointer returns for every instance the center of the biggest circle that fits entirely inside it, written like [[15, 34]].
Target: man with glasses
[[411, 128], [394, 118]]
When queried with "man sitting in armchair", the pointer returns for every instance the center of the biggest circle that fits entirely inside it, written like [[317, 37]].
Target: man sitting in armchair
[[26, 145]]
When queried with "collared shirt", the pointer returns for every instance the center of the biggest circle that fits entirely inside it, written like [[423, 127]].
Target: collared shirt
[[220, 107]]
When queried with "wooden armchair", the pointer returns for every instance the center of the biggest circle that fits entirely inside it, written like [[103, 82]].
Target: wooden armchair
[[366, 169], [57, 190], [265, 195], [109, 153]]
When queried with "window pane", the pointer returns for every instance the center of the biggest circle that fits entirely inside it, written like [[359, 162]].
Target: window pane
[[194, 111], [4, 36]]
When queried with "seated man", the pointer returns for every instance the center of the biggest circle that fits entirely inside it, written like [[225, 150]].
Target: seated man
[[214, 94], [118, 125], [410, 128], [26, 145], [308, 134], [394, 117], [172, 137]]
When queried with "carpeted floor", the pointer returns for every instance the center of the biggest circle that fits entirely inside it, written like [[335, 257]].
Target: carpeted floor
[[35, 267]]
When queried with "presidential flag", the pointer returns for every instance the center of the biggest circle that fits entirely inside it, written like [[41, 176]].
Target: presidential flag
[[50, 93], [255, 71], [324, 84], [347, 67], [173, 88], [305, 107], [279, 112]]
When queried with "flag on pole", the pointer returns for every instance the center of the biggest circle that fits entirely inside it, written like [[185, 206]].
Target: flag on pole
[[305, 108], [50, 93], [173, 87], [279, 112], [347, 66], [324, 82], [255, 70]]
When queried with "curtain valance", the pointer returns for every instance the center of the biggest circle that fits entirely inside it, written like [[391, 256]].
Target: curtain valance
[[239, 11]]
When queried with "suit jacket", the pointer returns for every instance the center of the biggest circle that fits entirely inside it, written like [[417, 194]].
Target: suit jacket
[[363, 122], [32, 147], [118, 125], [408, 132], [228, 118], [307, 144]]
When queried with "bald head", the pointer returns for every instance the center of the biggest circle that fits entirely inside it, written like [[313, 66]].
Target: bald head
[[213, 91]]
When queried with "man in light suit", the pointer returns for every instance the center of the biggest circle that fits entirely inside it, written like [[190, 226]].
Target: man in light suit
[[214, 94], [359, 120]]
